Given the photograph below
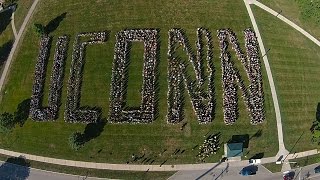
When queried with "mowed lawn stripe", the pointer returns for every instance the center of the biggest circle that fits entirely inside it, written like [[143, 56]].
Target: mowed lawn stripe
[[296, 73]]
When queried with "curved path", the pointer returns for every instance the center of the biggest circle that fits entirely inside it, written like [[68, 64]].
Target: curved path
[[282, 150], [15, 44], [284, 19], [134, 167]]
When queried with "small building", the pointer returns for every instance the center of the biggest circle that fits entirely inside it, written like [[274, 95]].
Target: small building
[[234, 150]]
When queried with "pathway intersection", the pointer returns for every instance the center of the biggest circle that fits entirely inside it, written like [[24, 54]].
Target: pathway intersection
[[282, 150], [178, 167], [15, 44]]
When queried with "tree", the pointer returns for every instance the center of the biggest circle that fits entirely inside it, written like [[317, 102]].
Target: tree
[[6, 122], [76, 140], [40, 29], [7, 3]]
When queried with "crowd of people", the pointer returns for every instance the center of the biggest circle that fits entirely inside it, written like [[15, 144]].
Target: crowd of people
[[73, 113], [210, 146], [51, 112], [146, 112], [253, 97], [178, 78], [256, 86]]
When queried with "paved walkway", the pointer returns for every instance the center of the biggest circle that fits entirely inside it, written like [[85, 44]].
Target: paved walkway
[[284, 19], [134, 167], [13, 26], [282, 150], [15, 44]]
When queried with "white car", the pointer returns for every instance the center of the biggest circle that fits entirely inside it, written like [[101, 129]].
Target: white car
[[254, 161]]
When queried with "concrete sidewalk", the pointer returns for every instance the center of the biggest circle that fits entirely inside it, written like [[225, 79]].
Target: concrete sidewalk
[[15, 44], [134, 167], [282, 150], [287, 21]]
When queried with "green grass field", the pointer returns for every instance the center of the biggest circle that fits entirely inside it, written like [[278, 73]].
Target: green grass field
[[294, 61], [22, 10], [119, 141], [293, 11], [305, 161], [273, 167]]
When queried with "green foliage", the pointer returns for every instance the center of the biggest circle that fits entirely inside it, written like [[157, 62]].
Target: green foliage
[[40, 29], [75, 141], [310, 9], [7, 3], [316, 134], [6, 122]]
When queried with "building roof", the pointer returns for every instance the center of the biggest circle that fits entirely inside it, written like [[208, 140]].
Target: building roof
[[234, 149]]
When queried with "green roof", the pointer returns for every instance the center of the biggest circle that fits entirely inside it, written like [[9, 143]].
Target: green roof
[[234, 149]]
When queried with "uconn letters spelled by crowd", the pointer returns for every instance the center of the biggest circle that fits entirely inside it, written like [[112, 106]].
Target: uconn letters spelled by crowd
[[179, 79]]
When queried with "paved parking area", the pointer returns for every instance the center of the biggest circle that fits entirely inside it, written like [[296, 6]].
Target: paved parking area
[[226, 173]]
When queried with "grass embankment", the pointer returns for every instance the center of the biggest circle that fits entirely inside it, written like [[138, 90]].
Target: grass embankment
[[273, 167], [305, 161]]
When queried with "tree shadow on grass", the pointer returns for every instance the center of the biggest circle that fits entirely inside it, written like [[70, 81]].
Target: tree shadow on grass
[[258, 156], [5, 19], [91, 131], [257, 134], [15, 168], [5, 51], [243, 138], [22, 112], [54, 23]]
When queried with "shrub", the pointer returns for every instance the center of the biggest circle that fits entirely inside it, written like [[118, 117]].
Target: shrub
[[76, 140], [7, 3], [40, 29]]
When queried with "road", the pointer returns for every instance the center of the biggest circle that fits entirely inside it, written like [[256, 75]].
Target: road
[[12, 171], [307, 172], [231, 173]]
